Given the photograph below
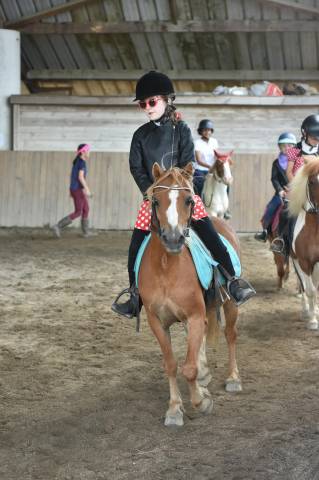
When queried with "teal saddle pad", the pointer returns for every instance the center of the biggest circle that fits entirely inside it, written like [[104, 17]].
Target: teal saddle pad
[[202, 259]]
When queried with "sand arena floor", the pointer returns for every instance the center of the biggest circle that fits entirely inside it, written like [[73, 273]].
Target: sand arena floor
[[83, 396]]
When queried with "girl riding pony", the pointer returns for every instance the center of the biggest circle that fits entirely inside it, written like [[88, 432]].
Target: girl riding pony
[[307, 148], [280, 182], [167, 140]]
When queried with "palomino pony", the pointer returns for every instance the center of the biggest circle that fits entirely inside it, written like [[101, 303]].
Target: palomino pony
[[304, 203], [171, 292], [217, 180]]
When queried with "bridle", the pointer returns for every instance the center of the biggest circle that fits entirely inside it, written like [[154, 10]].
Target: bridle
[[314, 208], [154, 219]]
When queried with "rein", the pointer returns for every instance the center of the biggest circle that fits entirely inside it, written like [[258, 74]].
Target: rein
[[314, 208], [155, 219]]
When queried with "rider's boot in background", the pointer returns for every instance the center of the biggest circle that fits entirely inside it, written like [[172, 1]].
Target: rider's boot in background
[[227, 215], [129, 308], [239, 289], [85, 228], [64, 222], [261, 236]]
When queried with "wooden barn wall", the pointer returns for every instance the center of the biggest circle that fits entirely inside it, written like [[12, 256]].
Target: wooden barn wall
[[246, 128], [34, 189]]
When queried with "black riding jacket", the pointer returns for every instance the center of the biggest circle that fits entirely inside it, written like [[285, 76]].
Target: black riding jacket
[[164, 143], [279, 177]]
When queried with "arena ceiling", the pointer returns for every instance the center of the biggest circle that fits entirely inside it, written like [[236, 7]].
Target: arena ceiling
[[106, 44]]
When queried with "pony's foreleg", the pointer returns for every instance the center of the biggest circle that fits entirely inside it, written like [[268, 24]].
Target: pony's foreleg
[[280, 264], [309, 296], [203, 374], [174, 414], [200, 397], [233, 383]]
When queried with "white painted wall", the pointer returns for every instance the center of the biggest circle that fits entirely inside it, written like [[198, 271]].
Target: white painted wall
[[9, 82]]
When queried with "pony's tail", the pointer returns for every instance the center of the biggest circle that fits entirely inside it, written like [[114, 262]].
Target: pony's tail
[[213, 328]]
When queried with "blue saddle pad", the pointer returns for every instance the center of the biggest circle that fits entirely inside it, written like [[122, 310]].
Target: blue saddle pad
[[202, 259]]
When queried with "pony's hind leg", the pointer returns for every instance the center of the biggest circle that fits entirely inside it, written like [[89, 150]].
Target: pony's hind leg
[[200, 397], [233, 382], [174, 414]]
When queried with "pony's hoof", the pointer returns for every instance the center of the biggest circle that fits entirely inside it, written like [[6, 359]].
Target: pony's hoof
[[204, 381], [174, 419], [233, 386], [206, 406], [312, 324]]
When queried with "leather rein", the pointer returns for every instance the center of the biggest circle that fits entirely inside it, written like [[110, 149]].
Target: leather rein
[[314, 208]]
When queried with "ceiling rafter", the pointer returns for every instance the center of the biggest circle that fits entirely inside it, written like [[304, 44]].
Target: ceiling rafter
[[290, 4], [49, 12], [198, 26]]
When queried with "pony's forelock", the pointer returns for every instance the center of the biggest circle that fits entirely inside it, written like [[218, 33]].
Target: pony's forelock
[[179, 178]]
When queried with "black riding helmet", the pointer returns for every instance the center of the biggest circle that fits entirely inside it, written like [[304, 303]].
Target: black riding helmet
[[203, 124], [310, 127], [153, 83]]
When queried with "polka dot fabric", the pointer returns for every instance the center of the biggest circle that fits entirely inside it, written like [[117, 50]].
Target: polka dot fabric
[[143, 221], [293, 155]]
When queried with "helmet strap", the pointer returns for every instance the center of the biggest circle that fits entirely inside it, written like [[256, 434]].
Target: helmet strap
[[308, 149]]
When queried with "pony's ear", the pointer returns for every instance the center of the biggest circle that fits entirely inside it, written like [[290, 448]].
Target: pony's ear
[[157, 171], [189, 169]]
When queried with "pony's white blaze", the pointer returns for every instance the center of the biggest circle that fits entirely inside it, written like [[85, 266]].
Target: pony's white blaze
[[172, 214], [300, 223]]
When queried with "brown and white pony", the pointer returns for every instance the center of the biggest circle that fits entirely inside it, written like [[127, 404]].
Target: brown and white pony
[[304, 204], [217, 180], [171, 292]]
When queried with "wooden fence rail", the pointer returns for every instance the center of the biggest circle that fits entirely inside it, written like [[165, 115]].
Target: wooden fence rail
[[34, 189]]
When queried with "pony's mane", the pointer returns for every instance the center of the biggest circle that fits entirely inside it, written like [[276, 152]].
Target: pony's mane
[[179, 178], [298, 192]]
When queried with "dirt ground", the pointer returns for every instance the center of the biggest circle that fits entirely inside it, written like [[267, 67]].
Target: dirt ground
[[83, 396]]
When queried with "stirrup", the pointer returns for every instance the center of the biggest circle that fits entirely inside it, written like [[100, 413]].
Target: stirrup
[[135, 299], [278, 246], [243, 285]]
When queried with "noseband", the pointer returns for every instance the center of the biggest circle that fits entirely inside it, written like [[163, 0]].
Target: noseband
[[155, 221]]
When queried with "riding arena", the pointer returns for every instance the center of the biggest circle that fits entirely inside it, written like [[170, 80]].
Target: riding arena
[[157, 124]]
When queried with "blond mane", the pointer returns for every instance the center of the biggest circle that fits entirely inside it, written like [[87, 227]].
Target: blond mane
[[179, 178], [298, 192]]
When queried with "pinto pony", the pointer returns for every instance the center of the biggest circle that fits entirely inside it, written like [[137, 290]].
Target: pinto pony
[[171, 292], [217, 180], [304, 204]]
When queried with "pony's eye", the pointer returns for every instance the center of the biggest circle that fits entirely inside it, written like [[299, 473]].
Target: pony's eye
[[155, 202], [189, 201]]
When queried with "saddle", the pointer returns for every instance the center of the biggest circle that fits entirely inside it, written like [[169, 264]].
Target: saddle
[[206, 266]]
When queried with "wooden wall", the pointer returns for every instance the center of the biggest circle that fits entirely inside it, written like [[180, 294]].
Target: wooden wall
[[34, 189], [245, 124]]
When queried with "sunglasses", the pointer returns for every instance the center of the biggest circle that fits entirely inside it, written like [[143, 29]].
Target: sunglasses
[[143, 104]]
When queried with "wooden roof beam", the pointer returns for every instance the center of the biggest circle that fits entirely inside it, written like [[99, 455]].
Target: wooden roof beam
[[49, 12], [238, 75], [294, 5], [198, 26]]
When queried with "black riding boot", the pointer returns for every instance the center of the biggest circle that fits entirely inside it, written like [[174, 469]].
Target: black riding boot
[[129, 308], [239, 289]]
